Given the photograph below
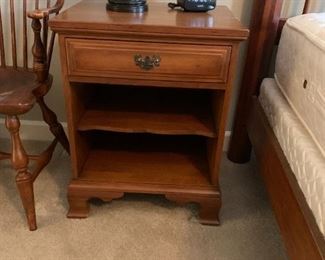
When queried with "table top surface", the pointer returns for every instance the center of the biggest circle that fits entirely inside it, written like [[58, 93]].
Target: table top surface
[[92, 15]]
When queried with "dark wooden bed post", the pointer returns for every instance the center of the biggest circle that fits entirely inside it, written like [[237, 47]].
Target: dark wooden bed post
[[263, 32], [301, 235]]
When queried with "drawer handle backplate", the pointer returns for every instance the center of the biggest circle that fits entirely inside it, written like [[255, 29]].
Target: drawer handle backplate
[[147, 63]]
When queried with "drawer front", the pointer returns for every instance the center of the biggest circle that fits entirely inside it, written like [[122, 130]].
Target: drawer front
[[148, 61]]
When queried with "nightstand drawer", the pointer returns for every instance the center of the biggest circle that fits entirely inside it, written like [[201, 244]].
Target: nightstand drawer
[[148, 61]]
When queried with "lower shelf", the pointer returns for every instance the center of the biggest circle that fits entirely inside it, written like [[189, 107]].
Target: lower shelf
[[118, 163], [141, 161]]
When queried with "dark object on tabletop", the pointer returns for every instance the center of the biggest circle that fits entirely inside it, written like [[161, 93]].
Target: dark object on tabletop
[[128, 6], [22, 87], [194, 5]]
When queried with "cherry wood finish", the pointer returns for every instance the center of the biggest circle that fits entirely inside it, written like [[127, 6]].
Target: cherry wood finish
[[149, 110], [147, 98], [264, 24], [219, 23], [266, 27], [300, 232], [191, 63], [20, 88], [301, 235]]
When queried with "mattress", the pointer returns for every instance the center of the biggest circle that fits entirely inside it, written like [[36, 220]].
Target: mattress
[[303, 155], [299, 71]]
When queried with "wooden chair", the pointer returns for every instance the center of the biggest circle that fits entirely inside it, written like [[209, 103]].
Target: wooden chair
[[21, 87]]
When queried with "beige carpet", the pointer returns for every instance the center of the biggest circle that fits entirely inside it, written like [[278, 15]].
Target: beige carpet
[[137, 227]]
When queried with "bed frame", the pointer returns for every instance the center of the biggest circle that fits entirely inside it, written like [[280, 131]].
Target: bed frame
[[301, 235]]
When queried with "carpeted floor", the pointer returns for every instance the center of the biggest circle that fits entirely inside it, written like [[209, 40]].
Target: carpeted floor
[[137, 227]]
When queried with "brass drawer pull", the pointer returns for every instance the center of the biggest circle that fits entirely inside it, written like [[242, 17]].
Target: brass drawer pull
[[147, 63]]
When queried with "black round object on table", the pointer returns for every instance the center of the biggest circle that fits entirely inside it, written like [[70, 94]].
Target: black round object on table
[[129, 6]]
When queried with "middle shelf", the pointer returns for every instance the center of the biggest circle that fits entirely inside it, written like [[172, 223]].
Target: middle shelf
[[149, 110]]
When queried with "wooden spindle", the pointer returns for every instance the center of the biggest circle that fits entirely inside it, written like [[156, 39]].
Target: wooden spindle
[[2, 46], [25, 45], [13, 34], [50, 50], [45, 34], [45, 28], [39, 52], [306, 7], [48, 54], [36, 4]]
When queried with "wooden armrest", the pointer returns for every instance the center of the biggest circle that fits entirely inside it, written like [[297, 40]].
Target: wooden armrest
[[41, 51], [45, 12]]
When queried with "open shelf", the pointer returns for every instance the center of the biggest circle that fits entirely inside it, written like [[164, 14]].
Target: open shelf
[[148, 110], [142, 160]]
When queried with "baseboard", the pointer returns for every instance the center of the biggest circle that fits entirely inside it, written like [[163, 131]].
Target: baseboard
[[38, 130], [226, 142]]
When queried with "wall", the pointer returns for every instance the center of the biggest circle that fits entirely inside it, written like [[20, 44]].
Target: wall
[[240, 8]]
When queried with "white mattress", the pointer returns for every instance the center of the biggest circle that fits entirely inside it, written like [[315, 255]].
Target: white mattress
[[301, 56], [303, 155]]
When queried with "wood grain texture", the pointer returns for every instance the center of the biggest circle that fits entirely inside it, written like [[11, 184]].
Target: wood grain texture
[[147, 159], [24, 181], [167, 115], [13, 34], [177, 62], [17, 91], [221, 103], [299, 230], [2, 46], [80, 192], [20, 88], [301, 235], [90, 16], [264, 26], [149, 110], [74, 100], [173, 123], [25, 41]]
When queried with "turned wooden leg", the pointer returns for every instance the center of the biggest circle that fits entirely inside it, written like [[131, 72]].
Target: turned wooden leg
[[24, 179], [55, 127]]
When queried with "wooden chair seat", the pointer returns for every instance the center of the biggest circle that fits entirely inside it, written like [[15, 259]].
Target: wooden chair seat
[[16, 91]]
